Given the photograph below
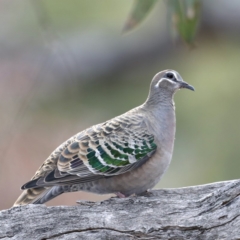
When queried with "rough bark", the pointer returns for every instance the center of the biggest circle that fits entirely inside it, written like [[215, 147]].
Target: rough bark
[[201, 212]]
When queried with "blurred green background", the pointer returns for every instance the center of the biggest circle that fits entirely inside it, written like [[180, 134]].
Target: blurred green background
[[64, 65]]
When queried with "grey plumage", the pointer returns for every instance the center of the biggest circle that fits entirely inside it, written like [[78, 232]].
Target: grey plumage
[[125, 155]]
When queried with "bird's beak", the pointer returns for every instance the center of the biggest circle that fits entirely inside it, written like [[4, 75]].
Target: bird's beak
[[186, 85]]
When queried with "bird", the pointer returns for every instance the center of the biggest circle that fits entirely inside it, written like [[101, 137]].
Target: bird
[[126, 155]]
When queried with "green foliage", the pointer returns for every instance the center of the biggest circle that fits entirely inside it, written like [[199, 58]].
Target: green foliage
[[184, 16], [140, 10]]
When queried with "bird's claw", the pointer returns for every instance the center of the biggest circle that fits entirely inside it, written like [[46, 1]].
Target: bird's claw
[[145, 194]]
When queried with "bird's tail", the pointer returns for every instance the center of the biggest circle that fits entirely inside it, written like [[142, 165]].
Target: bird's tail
[[38, 195]]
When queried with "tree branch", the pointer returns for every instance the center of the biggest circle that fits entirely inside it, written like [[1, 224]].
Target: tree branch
[[201, 212]]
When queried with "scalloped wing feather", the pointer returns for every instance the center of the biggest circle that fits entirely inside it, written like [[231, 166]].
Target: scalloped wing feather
[[104, 150], [107, 149]]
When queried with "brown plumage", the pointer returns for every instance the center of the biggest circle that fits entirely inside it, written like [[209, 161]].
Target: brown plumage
[[125, 155]]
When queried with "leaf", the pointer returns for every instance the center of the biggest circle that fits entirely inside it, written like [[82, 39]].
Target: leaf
[[185, 16], [140, 10]]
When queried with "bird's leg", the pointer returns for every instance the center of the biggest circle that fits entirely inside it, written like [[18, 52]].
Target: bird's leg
[[120, 195]]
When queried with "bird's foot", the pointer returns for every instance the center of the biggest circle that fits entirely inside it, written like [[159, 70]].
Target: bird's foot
[[145, 194], [120, 195]]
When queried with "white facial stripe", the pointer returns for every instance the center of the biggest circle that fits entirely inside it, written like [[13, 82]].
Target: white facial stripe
[[164, 79]]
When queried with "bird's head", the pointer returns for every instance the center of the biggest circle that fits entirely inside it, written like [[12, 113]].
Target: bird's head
[[169, 81], [164, 85]]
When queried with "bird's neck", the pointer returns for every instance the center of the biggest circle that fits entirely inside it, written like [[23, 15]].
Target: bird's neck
[[161, 120], [157, 101]]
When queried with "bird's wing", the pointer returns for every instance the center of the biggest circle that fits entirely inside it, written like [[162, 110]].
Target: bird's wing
[[108, 149]]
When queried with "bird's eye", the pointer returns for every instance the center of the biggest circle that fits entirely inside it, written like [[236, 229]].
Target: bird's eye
[[170, 75]]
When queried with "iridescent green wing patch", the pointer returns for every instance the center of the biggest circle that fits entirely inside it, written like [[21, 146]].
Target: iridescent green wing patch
[[120, 151], [109, 149]]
